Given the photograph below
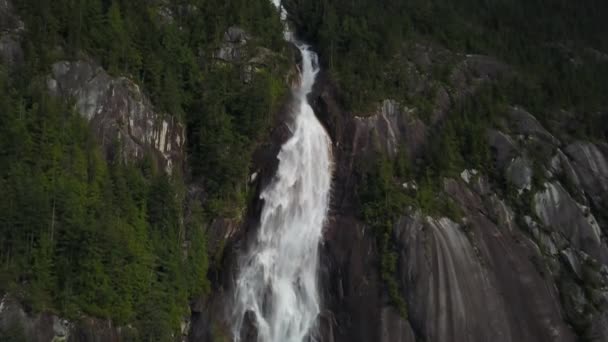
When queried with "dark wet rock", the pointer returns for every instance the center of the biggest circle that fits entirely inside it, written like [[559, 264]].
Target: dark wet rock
[[591, 165], [233, 48], [9, 20], [486, 67], [219, 231], [468, 286], [442, 103], [556, 209], [119, 111], [519, 173], [598, 331], [561, 165], [387, 130], [573, 261], [325, 327], [472, 71], [236, 50], [352, 285], [526, 124], [379, 132], [503, 214], [575, 302], [249, 332], [207, 319], [503, 146], [22, 325], [394, 327]]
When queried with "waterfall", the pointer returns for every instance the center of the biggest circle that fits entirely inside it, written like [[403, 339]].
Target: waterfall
[[277, 280]]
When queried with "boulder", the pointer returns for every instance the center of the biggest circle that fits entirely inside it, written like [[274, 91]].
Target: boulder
[[233, 46]]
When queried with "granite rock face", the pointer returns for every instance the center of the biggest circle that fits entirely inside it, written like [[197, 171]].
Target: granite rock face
[[11, 28], [463, 287], [523, 267], [526, 268], [591, 164], [526, 265], [121, 116], [17, 324]]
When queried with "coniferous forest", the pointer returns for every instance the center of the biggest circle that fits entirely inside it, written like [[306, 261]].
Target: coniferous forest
[[85, 233]]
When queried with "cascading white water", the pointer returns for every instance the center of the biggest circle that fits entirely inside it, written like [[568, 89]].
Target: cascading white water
[[278, 277]]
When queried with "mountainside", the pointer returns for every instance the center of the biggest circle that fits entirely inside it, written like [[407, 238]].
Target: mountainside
[[469, 199]]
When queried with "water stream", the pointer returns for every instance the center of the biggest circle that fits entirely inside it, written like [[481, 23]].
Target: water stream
[[277, 281]]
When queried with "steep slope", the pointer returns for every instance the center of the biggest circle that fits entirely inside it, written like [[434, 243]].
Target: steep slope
[[117, 142], [469, 195], [456, 214], [522, 256]]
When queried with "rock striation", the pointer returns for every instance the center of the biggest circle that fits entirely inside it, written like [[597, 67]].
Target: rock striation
[[121, 115]]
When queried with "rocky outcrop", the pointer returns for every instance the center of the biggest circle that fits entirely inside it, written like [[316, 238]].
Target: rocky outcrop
[[522, 259], [591, 165], [462, 286], [11, 28], [386, 130], [556, 209], [16, 324], [233, 48], [526, 124], [519, 173], [9, 20], [121, 116]]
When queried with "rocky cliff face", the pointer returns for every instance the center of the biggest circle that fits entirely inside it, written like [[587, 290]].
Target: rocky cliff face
[[524, 261], [122, 117], [507, 272]]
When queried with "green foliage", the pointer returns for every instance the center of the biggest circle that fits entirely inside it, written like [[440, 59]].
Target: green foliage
[[235, 118], [168, 48], [80, 235], [362, 43], [458, 144], [461, 141], [13, 332], [383, 202]]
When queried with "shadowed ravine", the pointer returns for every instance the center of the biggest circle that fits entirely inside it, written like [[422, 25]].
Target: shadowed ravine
[[277, 281]]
